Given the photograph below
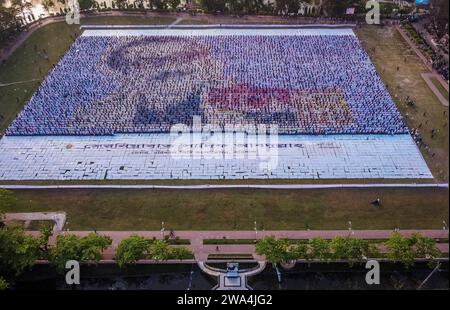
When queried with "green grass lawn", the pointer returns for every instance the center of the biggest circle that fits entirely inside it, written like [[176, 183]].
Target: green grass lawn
[[30, 62], [387, 49], [238, 209], [127, 20]]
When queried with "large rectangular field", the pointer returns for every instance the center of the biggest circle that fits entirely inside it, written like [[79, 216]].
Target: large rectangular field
[[109, 108]]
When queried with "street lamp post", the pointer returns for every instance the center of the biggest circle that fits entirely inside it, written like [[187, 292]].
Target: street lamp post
[[162, 230]]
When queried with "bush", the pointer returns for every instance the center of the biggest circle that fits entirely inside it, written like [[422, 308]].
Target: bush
[[181, 253], [407, 249], [320, 249], [4, 285], [19, 250], [82, 249], [131, 249]]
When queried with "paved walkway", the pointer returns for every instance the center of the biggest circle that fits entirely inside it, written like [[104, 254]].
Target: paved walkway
[[178, 20], [428, 79], [59, 218], [18, 82]]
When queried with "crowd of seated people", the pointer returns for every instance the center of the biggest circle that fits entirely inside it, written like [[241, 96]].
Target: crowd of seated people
[[146, 84]]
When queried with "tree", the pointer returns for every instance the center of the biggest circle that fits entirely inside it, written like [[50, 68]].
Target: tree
[[132, 249], [18, 250], [426, 248], [400, 249], [287, 6], [82, 249], [439, 13], [139, 4], [300, 251], [320, 249], [7, 199], [9, 25], [22, 6], [86, 4], [159, 250], [352, 249], [4, 285], [159, 4], [174, 3], [48, 4], [181, 253], [121, 4], [336, 8], [275, 250], [213, 5]]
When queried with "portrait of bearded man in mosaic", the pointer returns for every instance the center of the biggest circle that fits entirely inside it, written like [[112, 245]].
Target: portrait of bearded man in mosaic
[[148, 84], [161, 80]]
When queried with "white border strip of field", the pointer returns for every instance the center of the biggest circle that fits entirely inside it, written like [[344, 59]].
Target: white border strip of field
[[218, 32], [229, 26], [230, 186]]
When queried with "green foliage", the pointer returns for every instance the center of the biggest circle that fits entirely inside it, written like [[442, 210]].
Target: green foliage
[[9, 22], [159, 4], [86, 4], [300, 251], [132, 249], [388, 8], [236, 7], [281, 250], [400, 249], [135, 248], [4, 285], [275, 250], [320, 249], [18, 250], [82, 249], [352, 249], [174, 3], [45, 233], [159, 250], [337, 8], [47, 4], [426, 248], [181, 252], [213, 5], [403, 249], [121, 4], [7, 199]]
